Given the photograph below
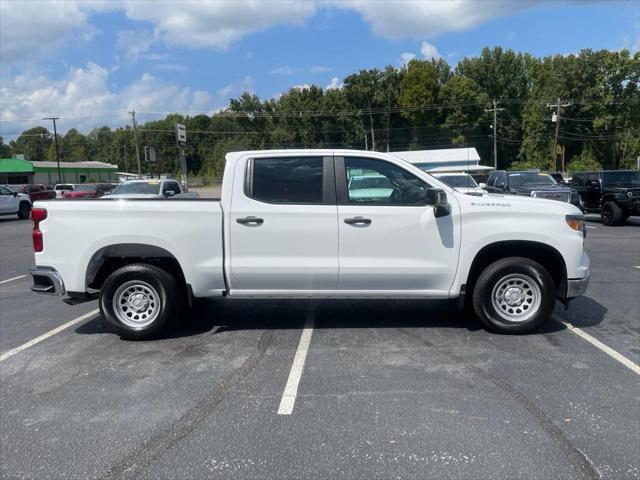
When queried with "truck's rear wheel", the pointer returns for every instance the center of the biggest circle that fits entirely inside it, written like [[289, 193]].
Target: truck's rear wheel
[[24, 210], [514, 295], [611, 214], [139, 300]]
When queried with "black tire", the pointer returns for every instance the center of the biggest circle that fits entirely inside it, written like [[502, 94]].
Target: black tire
[[152, 282], [24, 210], [536, 290], [611, 214]]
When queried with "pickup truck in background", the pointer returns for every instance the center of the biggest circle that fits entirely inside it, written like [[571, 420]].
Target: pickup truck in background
[[35, 192], [88, 190], [294, 223], [531, 183], [150, 189], [14, 203], [614, 194]]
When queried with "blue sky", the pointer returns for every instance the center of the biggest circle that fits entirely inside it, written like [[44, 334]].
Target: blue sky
[[90, 62]]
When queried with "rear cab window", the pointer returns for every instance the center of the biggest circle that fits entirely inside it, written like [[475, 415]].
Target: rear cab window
[[286, 180]]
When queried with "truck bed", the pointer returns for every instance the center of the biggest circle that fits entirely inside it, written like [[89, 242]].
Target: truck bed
[[190, 230]]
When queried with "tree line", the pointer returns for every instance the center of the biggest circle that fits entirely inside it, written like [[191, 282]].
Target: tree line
[[425, 104]]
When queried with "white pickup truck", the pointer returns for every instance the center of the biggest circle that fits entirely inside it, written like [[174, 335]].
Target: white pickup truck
[[290, 223]]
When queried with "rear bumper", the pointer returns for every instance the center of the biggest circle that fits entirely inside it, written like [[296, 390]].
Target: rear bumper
[[577, 286], [47, 280]]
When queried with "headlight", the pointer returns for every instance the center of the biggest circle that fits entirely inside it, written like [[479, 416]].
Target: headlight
[[576, 222]]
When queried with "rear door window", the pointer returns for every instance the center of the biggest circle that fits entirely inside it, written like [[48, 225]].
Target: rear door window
[[288, 180]]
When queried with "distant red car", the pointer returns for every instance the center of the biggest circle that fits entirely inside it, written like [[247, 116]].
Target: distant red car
[[35, 192], [88, 190]]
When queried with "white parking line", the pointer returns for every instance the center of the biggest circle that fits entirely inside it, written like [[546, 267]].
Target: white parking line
[[637, 266], [12, 279], [589, 226], [291, 389], [634, 367], [50, 333]]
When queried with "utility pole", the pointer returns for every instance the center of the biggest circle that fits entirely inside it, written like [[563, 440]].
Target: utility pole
[[495, 111], [135, 138], [126, 161], [55, 139], [555, 117]]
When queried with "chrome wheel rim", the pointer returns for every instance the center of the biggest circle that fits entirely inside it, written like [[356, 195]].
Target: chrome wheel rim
[[136, 304], [516, 297]]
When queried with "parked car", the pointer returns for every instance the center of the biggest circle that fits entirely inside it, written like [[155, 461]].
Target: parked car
[[60, 188], [462, 182], [14, 203], [614, 194], [531, 183], [372, 187], [35, 191], [150, 189], [287, 226], [88, 190]]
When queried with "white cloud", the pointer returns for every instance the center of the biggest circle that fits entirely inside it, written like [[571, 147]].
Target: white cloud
[[247, 84], [406, 57], [136, 42], [335, 83], [283, 71], [31, 29], [319, 69], [429, 51], [198, 24], [84, 99], [424, 18]]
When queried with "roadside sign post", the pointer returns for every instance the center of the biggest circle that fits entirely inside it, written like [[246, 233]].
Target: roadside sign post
[[181, 140], [150, 156]]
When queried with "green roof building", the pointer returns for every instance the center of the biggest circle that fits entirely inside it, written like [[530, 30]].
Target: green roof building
[[17, 171]]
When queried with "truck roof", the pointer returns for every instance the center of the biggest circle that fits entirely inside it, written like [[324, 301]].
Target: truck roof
[[232, 156]]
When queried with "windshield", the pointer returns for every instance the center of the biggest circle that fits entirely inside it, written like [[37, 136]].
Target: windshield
[[626, 179], [64, 187], [359, 183], [531, 178], [85, 188], [145, 188], [457, 181]]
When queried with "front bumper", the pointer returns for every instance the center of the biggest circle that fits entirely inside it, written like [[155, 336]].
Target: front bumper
[[47, 280], [577, 286]]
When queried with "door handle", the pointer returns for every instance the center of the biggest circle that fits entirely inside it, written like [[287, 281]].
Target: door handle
[[357, 221], [255, 221]]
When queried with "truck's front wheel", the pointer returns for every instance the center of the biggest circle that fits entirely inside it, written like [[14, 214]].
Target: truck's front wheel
[[138, 300], [514, 295]]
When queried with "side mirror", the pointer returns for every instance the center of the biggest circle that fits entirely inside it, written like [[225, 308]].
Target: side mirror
[[15, 194], [482, 185], [438, 198], [169, 193]]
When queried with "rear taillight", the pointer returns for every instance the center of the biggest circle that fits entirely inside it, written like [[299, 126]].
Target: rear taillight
[[37, 215]]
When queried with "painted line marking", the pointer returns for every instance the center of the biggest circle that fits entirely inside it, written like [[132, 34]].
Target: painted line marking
[[637, 266], [291, 389], [634, 367], [589, 226], [50, 333], [12, 279]]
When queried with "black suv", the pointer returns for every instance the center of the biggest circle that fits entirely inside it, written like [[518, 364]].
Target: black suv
[[614, 194], [531, 183]]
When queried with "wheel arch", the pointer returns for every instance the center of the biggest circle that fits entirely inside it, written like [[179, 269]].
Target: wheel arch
[[111, 257], [544, 254]]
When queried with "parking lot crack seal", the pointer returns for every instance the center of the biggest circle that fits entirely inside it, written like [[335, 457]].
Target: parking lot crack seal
[[581, 464], [151, 450]]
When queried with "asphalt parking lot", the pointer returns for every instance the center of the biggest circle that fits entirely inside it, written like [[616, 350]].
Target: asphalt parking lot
[[389, 389]]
